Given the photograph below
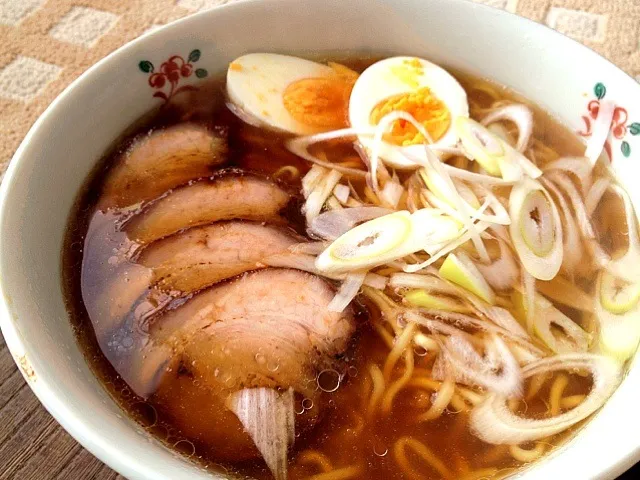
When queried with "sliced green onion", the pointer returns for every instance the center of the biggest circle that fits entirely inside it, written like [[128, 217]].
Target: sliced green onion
[[517, 113], [387, 238], [423, 299], [430, 283], [342, 192], [579, 166], [348, 291], [459, 269], [311, 179], [503, 272], [535, 229], [497, 370], [446, 248], [548, 319], [628, 266], [320, 193], [536, 223], [493, 154], [493, 422], [268, 417], [300, 147], [573, 248], [480, 144], [618, 313]]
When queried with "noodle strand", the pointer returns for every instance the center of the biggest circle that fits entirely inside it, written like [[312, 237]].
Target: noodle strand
[[443, 397], [423, 452], [378, 389], [394, 388], [339, 474]]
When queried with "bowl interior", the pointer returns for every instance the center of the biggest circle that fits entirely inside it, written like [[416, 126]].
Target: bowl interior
[[59, 152]]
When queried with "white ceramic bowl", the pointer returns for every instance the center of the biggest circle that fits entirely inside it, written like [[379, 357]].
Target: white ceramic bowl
[[70, 137]]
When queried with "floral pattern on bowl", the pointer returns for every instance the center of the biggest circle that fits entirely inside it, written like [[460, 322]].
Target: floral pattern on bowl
[[619, 125], [171, 73]]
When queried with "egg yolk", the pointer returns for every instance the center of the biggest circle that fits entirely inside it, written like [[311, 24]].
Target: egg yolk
[[427, 109], [321, 102]]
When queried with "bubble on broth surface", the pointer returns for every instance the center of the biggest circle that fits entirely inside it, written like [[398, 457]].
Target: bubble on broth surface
[[380, 450], [273, 366], [185, 447], [145, 413], [329, 380]]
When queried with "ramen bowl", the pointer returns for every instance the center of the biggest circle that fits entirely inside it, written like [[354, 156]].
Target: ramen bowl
[[56, 157]]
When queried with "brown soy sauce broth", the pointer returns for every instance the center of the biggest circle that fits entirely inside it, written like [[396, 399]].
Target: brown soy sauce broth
[[344, 434]]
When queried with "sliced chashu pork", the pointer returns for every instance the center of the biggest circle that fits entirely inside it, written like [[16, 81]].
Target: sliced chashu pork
[[163, 160], [222, 198], [269, 328], [252, 343], [201, 256]]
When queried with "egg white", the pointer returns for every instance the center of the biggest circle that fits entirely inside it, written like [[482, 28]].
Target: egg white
[[256, 83], [379, 82]]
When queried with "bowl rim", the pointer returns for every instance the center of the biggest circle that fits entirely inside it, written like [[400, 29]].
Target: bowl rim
[[73, 421]]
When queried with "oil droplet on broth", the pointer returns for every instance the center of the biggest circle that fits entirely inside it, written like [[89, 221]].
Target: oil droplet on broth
[[228, 380], [185, 447], [159, 431], [380, 450], [273, 366], [260, 359], [145, 413], [352, 370], [299, 408], [329, 380], [307, 404]]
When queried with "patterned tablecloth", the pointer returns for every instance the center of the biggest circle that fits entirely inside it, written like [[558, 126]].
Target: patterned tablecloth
[[45, 44]]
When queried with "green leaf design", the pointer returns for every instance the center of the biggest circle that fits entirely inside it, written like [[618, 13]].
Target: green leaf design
[[146, 66], [201, 73], [194, 56], [634, 128], [600, 90], [626, 149]]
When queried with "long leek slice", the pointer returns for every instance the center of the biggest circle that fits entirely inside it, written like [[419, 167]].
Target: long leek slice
[[493, 154], [493, 422]]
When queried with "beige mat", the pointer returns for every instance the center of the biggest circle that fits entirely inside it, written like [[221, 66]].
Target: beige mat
[[45, 44]]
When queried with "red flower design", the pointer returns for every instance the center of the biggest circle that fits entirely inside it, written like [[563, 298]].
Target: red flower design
[[594, 108], [186, 70], [618, 127], [619, 131], [157, 80], [170, 73], [619, 122]]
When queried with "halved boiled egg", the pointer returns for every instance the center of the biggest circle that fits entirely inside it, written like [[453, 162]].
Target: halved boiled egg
[[415, 86], [289, 93]]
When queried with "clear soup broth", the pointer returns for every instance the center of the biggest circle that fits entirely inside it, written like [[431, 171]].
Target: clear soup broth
[[146, 263]]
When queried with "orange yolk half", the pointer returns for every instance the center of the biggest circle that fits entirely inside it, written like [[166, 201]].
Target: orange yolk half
[[321, 102], [427, 109]]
